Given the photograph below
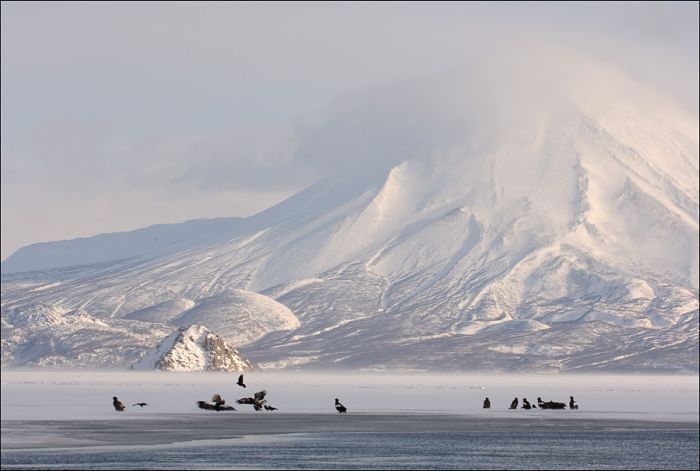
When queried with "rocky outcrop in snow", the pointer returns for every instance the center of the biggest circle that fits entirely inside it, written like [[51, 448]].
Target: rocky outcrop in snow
[[194, 348]]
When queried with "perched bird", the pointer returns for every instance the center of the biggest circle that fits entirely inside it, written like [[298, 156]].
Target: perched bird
[[339, 407], [487, 403], [526, 404], [258, 400], [118, 406], [140, 404], [240, 381], [572, 404], [514, 404]]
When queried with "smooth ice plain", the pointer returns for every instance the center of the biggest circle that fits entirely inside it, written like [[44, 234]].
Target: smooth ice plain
[[70, 395], [409, 420]]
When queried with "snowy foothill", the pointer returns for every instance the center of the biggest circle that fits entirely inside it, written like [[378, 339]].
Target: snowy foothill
[[85, 395]]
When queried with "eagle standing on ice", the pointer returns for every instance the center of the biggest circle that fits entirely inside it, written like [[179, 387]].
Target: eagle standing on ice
[[118, 406]]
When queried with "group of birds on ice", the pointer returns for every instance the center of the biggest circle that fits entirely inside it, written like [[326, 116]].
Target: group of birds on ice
[[259, 402], [218, 403], [540, 403]]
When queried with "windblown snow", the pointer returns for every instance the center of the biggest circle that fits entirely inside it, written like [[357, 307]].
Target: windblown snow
[[548, 228]]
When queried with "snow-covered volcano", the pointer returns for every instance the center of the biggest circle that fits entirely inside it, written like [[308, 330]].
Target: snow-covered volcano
[[542, 227]]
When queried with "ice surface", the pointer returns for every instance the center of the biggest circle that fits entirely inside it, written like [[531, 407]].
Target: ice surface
[[65, 395], [397, 421]]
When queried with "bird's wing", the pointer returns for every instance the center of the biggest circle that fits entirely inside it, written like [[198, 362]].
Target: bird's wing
[[240, 379], [260, 395], [246, 400]]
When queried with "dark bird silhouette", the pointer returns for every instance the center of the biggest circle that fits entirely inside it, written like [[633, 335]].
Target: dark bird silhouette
[[258, 400], [217, 404], [526, 404], [218, 401], [118, 406], [550, 404], [487, 403], [339, 407], [514, 404], [140, 404], [572, 404], [270, 407], [207, 406], [240, 381]]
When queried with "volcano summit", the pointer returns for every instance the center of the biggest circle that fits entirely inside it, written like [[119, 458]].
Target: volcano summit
[[503, 220]]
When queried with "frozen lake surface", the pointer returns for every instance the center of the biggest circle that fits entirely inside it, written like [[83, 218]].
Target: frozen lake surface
[[349, 442], [66, 419]]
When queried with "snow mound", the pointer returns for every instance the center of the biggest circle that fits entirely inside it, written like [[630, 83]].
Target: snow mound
[[240, 316], [43, 316], [163, 311]]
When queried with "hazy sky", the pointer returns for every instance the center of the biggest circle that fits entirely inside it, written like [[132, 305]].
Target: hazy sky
[[121, 115]]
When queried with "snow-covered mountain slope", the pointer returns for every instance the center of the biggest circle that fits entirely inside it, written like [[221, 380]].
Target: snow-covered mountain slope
[[194, 348], [49, 336], [148, 242], [539, 227]]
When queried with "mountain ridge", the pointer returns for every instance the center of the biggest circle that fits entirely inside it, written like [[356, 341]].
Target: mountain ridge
[[561, 237]]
